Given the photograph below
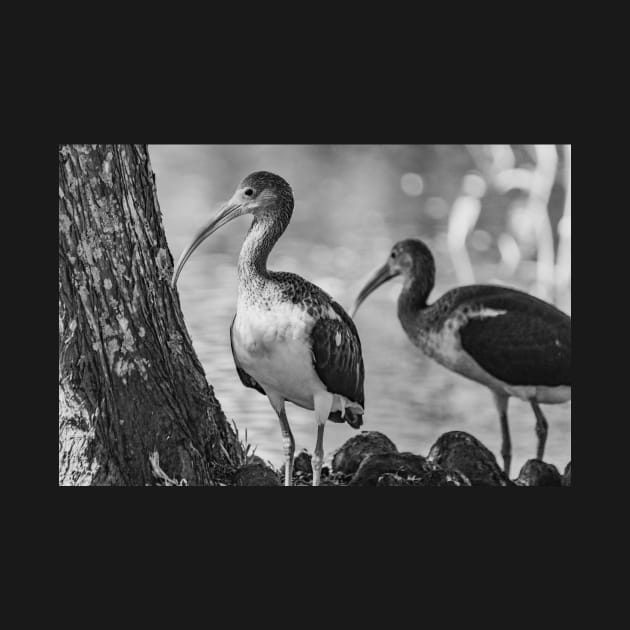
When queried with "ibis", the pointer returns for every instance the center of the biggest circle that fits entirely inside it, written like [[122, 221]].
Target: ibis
[[290, 340], [511, 342]]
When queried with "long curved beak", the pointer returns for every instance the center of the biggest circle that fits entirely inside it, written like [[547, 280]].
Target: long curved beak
[[224, 215], [379, 277]]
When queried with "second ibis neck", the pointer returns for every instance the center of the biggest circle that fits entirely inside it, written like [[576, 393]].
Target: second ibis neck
[[413, 298]]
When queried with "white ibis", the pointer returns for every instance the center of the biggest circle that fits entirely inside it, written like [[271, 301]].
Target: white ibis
[[290, 340], [507, 340]]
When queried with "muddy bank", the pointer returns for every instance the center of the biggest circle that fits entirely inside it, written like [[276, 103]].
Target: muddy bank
[[372, 459]]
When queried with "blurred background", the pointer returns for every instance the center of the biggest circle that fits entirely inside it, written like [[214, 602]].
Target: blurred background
[[490, 214]]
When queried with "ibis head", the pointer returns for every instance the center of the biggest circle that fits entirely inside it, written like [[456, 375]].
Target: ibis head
[[409, 258], [261, 194]]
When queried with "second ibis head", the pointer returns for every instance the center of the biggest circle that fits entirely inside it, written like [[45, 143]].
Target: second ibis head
[[409, 258]]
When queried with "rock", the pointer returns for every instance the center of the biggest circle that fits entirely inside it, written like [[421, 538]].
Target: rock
[[460, 451], [538, 473], [337, 479], [302, 463], [377, 464], [438, 476], [434, 477], [352, 452], [389, 479], [255, 459], [256, 475], [566, 478], [302, 467]]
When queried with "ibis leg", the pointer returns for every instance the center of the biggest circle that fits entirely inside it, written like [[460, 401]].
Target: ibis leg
[[501, 402], [288, 443], [318, 455], [288, 446], [541, 429], [323, 402]]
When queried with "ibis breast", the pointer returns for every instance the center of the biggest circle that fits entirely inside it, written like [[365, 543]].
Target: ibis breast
[[272, 345]]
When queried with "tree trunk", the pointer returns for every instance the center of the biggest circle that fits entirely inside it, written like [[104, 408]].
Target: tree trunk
[[130, 383]]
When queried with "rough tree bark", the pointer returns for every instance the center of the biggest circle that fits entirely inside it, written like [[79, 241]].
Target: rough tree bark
[[130, 383]]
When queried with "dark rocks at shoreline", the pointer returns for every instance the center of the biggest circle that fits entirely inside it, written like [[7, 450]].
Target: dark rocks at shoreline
[[404, 469], [391, 479], [436, 477], [456, 459], [256, 474], [431, 476], [348, 458], [255, 459], [464, 453], [377, 464], [538, 473]]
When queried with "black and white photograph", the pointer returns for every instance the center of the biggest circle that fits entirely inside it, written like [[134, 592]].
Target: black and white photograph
[[360, 315]]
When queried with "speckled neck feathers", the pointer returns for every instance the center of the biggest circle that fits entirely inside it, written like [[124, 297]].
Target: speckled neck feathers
[[263, 234]]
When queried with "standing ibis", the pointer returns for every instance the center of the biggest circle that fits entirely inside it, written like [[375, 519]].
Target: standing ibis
[[507, 340], [290, 340]]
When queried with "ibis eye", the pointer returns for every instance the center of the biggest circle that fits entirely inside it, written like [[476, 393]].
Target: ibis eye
[[249, 192], [393, 254]]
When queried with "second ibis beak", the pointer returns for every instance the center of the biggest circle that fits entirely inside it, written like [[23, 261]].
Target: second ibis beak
[[379, 277], [225, 215]]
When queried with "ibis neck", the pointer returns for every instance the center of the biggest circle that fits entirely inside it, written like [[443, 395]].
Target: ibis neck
[[263, 234], [413, 300]]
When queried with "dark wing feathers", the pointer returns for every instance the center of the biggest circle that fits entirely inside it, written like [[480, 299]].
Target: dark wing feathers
[[339, 365], [246, 379], [528, 345]]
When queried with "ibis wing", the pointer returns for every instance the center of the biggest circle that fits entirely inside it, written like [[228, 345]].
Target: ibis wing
[[246, 379], [529, 344], [337, 357]]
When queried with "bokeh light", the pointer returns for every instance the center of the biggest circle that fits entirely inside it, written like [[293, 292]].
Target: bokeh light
[[412, 184]]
